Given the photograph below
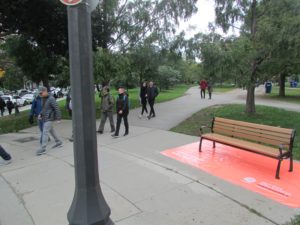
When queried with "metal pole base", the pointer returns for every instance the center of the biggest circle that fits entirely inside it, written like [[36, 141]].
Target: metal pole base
[[89, 208]]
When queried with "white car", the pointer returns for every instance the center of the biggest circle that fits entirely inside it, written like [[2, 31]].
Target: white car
[[15, 99], [28, 98]]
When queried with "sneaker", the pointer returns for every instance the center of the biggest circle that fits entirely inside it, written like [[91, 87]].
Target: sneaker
[[100, 132], [140, 116], [113, 131], [126, 134], [41, 152], [149, 117], [58, 145], [5, 162], [115, 136]]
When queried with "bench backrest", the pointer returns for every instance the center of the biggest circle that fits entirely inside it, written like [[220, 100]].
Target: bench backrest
[[259, 133]]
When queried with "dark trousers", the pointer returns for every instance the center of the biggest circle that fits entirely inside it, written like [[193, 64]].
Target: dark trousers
[[2, 111], [202, 92], [151, 103], [4, 154], [209, 94], [119, 120], [9, 110], [144, 106], [104, 116]]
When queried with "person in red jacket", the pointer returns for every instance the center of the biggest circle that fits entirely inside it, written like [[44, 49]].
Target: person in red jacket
[[203, 86]]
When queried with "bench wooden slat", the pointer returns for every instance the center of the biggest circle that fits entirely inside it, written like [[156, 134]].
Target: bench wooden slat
[[251, 137], [272, 152], [253, 133], [254, 125], [271, 133]]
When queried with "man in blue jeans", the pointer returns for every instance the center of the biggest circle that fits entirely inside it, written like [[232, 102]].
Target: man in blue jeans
[[50, 112], [5, 156]]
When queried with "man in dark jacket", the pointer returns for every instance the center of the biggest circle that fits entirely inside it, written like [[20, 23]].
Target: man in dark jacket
[[35, 111], [2, 106], [107, 104], [122, 109], [50, 112], [152, 93], [143, 98], [9, 105]]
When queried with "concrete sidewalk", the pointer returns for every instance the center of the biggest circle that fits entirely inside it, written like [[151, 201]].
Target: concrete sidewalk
[[141, 186]]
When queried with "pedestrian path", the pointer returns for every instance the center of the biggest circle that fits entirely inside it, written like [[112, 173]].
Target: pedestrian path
[[142, 186]]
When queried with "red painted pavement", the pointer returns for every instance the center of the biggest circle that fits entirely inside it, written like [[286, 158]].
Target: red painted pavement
[[251, 171]]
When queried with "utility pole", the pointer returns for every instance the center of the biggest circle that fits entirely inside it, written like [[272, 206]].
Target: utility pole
[[89, 206]]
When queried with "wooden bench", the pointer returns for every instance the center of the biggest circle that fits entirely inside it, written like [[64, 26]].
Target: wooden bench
[[273, 142]]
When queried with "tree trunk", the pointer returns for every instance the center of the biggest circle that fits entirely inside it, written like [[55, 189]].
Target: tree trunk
[[250, 101], [282, 84]]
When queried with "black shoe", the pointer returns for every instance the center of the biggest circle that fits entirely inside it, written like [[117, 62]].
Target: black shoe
[[100, 132], [153, 116], [115, 136], [126, 134], [112, 131], [149, 117]]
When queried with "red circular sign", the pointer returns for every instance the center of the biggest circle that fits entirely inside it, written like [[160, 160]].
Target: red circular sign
[[70, 2]]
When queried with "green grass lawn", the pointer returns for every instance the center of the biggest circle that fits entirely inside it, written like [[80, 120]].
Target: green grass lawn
[[15, 123], [265, 115], [295, 221], [292, 94], [223, 89]]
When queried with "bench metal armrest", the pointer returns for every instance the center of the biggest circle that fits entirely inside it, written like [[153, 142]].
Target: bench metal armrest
[[203, 127]]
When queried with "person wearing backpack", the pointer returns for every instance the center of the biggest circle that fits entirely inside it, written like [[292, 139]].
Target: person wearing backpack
[[107, 104], [122, 109]]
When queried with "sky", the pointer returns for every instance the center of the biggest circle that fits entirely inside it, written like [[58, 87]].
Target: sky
[[199, 21]]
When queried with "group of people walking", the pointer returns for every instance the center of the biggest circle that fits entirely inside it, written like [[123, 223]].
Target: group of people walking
[[9, 105], [148, 93], [46, 111], [203, 85]]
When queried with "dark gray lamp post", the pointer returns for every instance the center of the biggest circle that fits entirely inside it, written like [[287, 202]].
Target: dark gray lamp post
[[89, 206]]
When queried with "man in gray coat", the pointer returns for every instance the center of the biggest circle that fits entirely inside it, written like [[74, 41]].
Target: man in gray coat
[[107, 105], [50, 112]]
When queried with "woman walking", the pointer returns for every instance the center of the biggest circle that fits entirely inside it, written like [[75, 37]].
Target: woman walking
[[143, 98]]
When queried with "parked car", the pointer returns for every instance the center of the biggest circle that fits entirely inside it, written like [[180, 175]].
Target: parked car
[[23, 92], [28, 98], [15, 99]]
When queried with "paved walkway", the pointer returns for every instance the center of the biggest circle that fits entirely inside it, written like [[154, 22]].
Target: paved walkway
[[141, 186]]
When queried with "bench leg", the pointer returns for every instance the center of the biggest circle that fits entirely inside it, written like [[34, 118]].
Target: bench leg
[[278, 168], [200, 144], [291, 163], [214, 144]]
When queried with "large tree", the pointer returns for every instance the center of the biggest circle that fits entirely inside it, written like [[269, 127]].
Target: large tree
[[279, 33], [248, 13], [118, 25]]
